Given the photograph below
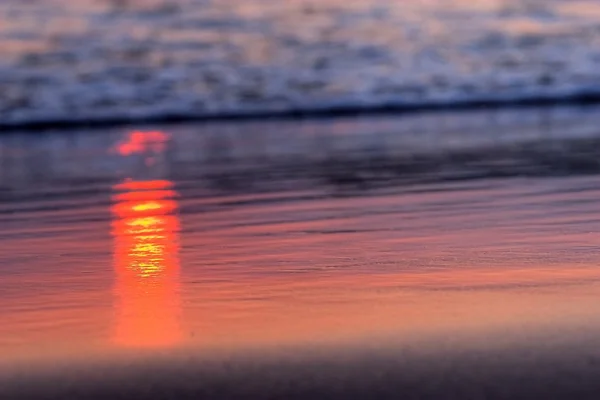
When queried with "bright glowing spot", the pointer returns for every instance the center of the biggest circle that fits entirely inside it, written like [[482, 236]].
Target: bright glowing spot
[[149, 206], [144, 222]]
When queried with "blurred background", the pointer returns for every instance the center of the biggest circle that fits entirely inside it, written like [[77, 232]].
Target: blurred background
[[140, 59]]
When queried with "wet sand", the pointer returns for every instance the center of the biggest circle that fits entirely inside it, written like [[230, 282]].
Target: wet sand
[[541, 367], [147, 265]]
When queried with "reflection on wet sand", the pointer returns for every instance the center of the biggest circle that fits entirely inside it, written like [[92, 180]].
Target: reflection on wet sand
[[145, 230]]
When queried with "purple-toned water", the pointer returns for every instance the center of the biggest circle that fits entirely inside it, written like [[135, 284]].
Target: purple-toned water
[[61, 59]]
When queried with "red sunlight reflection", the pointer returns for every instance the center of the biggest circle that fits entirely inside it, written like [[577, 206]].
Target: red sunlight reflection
[[141, 142], [145, 229], [144, 185]]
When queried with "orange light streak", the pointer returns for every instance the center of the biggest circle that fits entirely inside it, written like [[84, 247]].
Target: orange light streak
[[145, 230]]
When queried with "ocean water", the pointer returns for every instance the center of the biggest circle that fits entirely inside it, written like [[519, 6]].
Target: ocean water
[[444, 256], [103, 59]]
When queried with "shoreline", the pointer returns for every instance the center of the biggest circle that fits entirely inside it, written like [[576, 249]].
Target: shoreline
[[583, 99]]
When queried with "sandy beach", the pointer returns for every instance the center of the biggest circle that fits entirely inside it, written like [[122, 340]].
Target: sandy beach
[[429, 256]]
